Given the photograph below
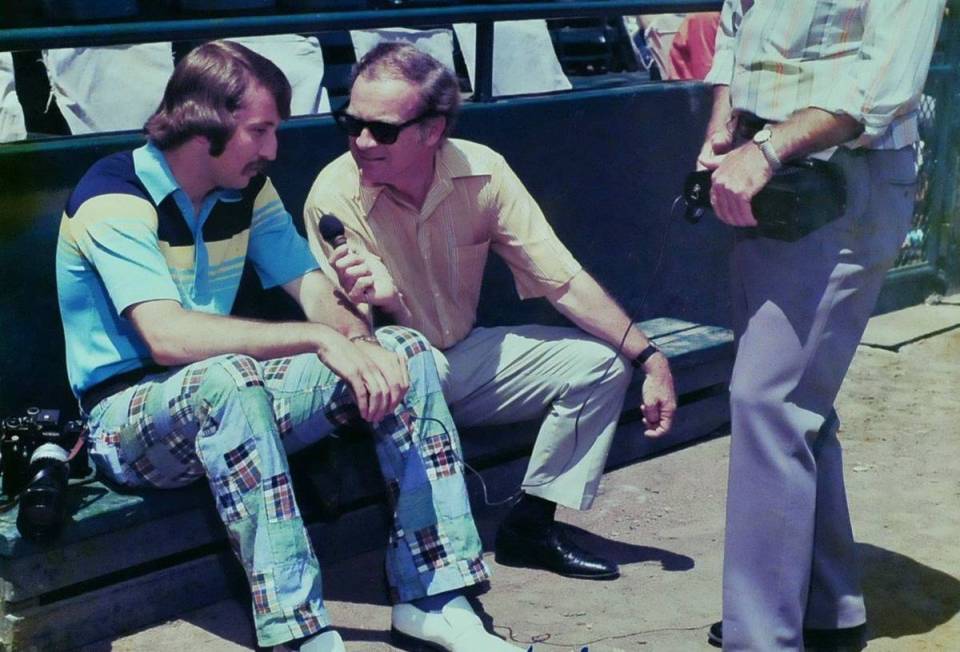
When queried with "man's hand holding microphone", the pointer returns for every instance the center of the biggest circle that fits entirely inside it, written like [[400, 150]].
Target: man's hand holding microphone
[[366, 280]]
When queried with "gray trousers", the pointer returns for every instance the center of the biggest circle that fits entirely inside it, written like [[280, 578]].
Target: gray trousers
[[800, 310], [515, 373]]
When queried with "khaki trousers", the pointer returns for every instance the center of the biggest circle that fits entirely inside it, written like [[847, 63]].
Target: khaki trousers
[[517, 373]]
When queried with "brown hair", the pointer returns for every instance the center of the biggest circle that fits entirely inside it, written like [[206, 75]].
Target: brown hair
[[206, 88], [439, 88]]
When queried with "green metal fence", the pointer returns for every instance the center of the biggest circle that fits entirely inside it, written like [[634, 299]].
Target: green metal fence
[[931, 246], [935, 238]]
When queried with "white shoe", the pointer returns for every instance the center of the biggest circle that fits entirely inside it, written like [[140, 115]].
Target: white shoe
[[328, 641], [455, 629]]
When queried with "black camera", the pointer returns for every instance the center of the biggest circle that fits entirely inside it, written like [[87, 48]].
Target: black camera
[[36, 466], [801, 197]]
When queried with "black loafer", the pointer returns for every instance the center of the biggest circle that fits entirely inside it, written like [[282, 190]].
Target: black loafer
[[550, 549], [845, 639], [715, 635]]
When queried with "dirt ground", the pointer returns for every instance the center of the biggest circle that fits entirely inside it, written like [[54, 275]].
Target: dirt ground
[[662, 520]]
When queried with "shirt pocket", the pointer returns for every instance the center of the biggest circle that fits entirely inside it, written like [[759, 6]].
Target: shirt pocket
[[467, 265]]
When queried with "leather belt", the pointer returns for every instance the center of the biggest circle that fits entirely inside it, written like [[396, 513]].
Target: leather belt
[[115, 384]]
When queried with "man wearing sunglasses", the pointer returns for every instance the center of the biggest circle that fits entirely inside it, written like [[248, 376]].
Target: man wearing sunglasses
[[421, 212]]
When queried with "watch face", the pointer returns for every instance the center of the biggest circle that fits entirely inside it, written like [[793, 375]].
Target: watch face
[[762, 136]]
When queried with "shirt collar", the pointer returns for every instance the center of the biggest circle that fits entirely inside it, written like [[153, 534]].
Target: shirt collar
[[453, 162], [157, 177], [366, 195]]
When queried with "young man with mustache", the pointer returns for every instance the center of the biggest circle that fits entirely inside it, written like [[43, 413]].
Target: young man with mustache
[[152, 245]]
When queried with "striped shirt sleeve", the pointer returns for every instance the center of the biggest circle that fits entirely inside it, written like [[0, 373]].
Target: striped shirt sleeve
[[721, 71], [278, 252], [117, 234], [895, 55]]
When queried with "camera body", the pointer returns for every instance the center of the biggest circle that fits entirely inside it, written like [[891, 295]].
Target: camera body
[[800, 198], [36, 467], [20, 437]]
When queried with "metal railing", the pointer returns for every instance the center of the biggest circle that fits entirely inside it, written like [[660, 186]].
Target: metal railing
[[484, 15], [932, 249]]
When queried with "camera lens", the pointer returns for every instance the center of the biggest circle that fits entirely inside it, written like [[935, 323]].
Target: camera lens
[[43, 502]]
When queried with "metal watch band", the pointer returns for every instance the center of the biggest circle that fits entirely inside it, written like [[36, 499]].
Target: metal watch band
[[370, 339], [762, 140], [766, 148]]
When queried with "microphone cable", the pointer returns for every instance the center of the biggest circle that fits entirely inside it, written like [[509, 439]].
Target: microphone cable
[[654, 277], [455, 448]]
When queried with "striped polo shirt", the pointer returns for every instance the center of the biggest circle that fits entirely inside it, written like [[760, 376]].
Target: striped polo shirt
[[129, 234], [864, 58]]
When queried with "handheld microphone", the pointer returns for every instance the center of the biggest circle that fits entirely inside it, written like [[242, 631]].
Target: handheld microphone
[[331, 230]]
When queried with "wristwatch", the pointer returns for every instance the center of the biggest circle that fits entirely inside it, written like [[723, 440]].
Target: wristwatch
[[644, 355], [762, 140]]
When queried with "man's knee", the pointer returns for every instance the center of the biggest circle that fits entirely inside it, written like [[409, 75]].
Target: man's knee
[[748, 397], [600, 360], [419, 355], [403, 340], [225, 377]]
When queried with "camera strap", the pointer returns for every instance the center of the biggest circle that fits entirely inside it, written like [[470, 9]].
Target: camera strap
[[81, 442]]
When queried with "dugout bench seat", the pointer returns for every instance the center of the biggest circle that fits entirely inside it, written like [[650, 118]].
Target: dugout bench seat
[[606, 180]]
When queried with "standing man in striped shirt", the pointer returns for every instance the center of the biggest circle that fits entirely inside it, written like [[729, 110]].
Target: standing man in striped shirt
[[839, 79]]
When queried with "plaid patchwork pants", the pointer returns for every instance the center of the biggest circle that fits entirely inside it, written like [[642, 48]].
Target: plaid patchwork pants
[[233, 419]]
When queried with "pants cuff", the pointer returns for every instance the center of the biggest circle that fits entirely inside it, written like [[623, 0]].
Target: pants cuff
[[563, 498], [297, 625], [458, 575]]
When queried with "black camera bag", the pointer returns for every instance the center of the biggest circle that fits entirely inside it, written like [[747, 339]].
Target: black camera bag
[[800, 198]]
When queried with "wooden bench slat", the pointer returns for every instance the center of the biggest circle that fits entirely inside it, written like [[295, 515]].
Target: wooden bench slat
[[99, 508]]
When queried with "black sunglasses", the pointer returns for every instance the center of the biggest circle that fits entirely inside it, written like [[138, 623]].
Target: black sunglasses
[[384, 133]]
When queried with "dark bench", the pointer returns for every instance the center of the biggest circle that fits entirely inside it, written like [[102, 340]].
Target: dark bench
[[604, 165]]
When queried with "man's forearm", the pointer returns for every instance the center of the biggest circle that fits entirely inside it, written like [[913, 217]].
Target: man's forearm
[[805, 132], [812, 130], [584, 302], [176, 336], [324, 302], [719, 137], [721, 112]]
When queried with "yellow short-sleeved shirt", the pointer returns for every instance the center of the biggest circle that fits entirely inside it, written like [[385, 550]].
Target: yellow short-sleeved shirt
[[437, 254]]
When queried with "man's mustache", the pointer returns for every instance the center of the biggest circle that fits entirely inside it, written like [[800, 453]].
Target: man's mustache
[[259, 166]]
